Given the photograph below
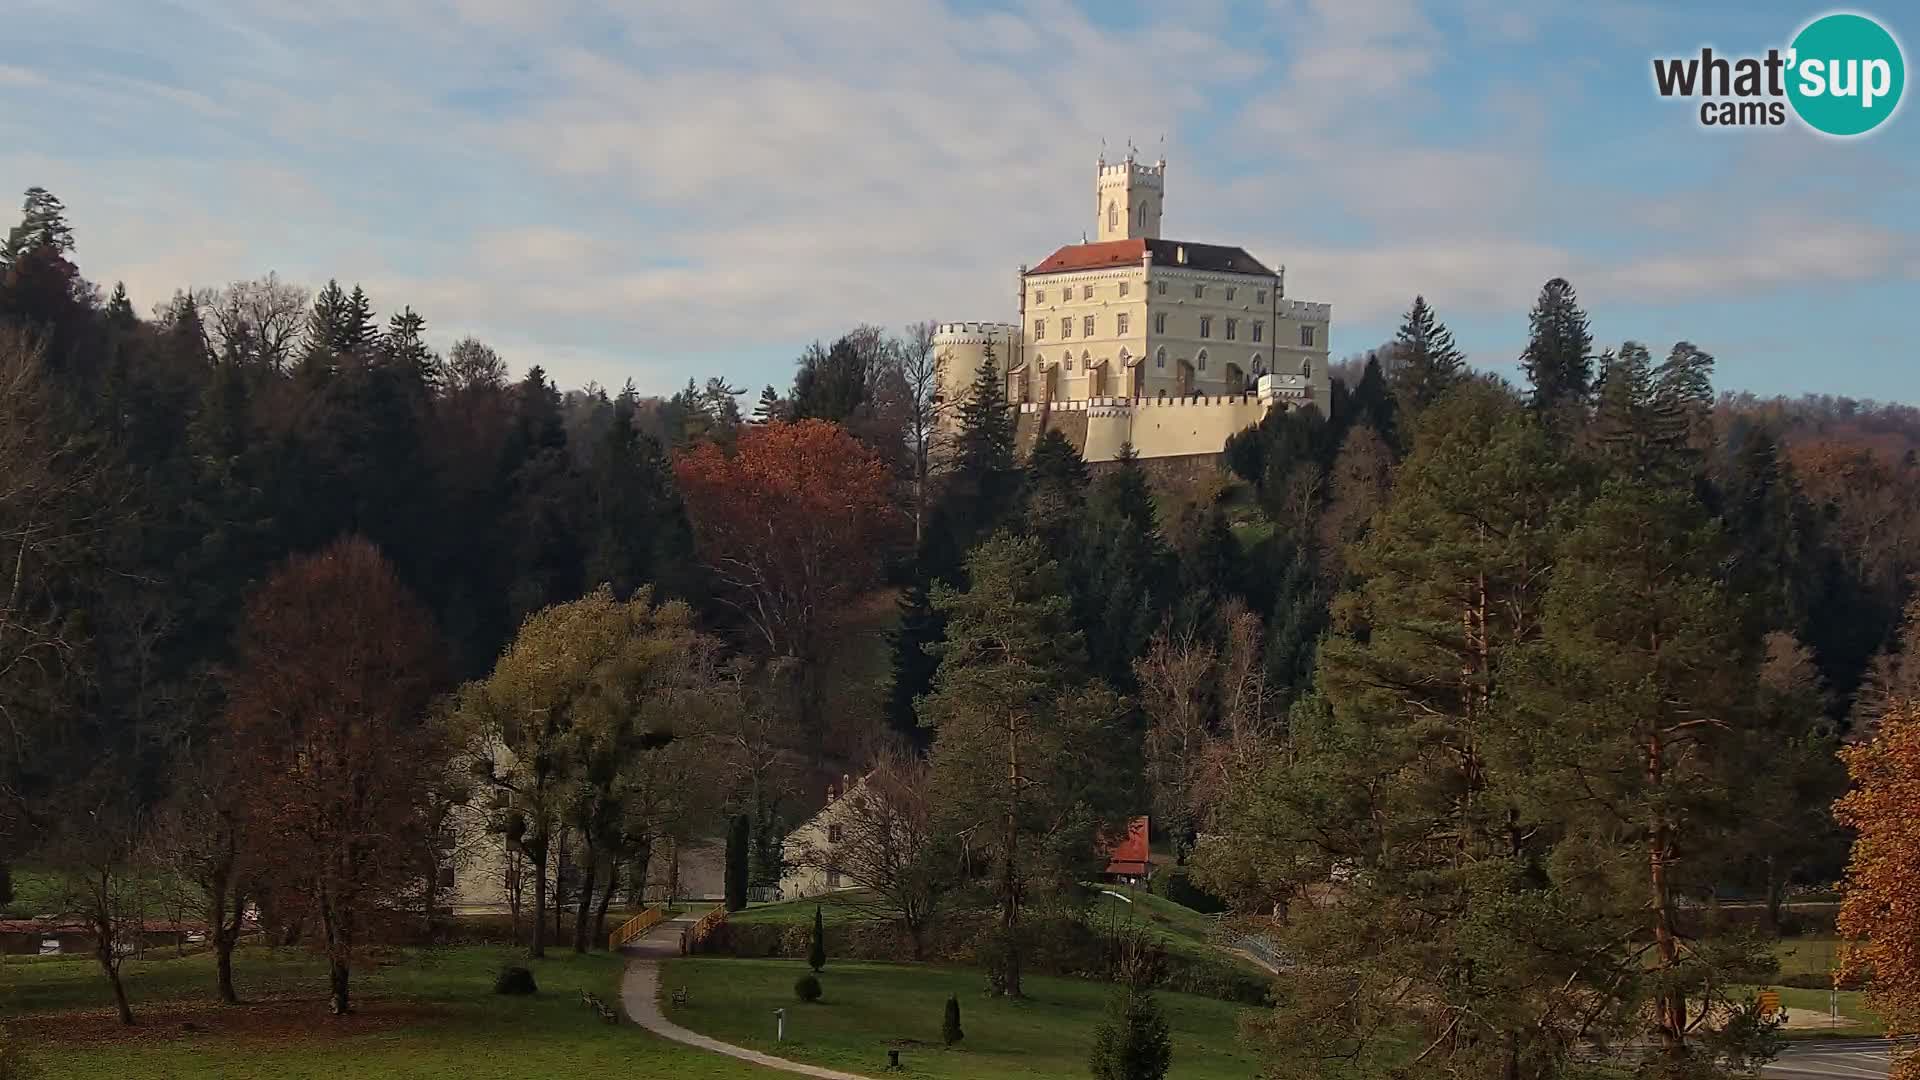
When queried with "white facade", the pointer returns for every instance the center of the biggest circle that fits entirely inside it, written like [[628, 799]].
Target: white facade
[[1132, 323]]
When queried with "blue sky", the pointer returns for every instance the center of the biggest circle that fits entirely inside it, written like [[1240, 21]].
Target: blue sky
[[663, 190]]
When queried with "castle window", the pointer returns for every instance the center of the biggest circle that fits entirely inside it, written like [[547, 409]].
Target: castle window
[[1230, 291], [1206, 326], [1069, 361], [1260, 296], [1306, 336], [1086, 292], [833, 879], [1160, 287], [1259, 366], [1086, 326], [1120, 322], [833, 834], [1066, 327], [1199, 292], [1113, 216], [1039, 329], [1123, 290], [1160, 361], [1258, 329], [1143, 215], [1039, 296], [1233, 329], [1160, 322], [1200, 361]]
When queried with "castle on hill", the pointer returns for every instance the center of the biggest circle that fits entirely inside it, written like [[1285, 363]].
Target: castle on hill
[[1169, 345]]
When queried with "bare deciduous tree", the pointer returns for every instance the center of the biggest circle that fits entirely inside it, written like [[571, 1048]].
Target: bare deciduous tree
[[878, 837], [262, 321]]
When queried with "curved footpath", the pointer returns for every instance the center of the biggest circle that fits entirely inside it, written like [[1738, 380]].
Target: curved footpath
[[640, 996]]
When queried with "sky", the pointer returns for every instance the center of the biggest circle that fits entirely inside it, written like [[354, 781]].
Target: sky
[[658, 191]]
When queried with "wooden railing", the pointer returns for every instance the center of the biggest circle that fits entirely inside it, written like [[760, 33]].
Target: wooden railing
[[695, 939], [636, 926]]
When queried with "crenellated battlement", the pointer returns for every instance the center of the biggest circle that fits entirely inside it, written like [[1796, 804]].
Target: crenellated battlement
[[972, 333], [1306, 310], [1119, 172]]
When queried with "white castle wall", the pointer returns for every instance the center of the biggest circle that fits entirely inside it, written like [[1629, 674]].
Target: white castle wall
[[1174, 427]]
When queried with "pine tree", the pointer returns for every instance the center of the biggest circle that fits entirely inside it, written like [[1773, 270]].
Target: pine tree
[[1056, 491], [950, 1032], [327, 329], [360, 330], [1558, 359], [1652, 422], [770, 407], [1628, 732], [404, 347], [1025, 746], [1133, 1041], [736, 877], [120, 308], [43, 224], [817, 951], [1427, 362]]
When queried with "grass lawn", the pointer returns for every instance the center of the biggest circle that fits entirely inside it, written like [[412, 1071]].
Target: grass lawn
[[424, 1015], [869, 1007], [835, 907], [1814, 955]]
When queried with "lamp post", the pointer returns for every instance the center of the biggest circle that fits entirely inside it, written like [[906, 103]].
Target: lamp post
[[779, 1025]]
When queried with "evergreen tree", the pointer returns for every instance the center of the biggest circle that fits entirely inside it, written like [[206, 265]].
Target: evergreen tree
[[913, 666], [770, 407], [1056, 491], [1651, 423], [43, 225], [405, 349], [120, 308], [1630, 716], [1133, 1041], [736, 877], [329, 328], [817, 950], [1427, 363], [360, 330], [950, 1032], [1558, 359], [1028, 752]]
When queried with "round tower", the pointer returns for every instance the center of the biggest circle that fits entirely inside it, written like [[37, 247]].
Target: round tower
[[960, 348]]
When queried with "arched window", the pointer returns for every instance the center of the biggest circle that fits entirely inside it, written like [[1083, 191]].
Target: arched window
[[1069, 361], [1160, 358], [1113, 216], [1086, 360], [1259, 366], [1143, 215], [1306, 368], [1200, 361], [1124, 357]]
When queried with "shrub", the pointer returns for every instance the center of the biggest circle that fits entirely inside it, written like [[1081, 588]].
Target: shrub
[[514, 980], [1176, 884], [817, 952], [1132, 1043], [950, 1032], [807, 988]]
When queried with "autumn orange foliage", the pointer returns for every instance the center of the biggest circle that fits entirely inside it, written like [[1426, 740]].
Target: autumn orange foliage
[[1880, 912], [794, 523]]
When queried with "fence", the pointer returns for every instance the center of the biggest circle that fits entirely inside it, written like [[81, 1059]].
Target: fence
[[636, 926], [696, 939]]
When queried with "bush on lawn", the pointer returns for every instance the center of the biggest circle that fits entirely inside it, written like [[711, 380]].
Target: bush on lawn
[[514, 980], [950, 1032], [1176, 884], [807, 988]]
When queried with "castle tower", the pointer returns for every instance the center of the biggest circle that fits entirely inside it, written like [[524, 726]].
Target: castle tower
[[1130, 196]]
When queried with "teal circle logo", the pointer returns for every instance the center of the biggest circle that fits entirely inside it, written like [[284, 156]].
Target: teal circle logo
[[1845, 74]]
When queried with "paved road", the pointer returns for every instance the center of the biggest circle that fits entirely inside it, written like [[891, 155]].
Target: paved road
[[1840, 1059], [640, 994]]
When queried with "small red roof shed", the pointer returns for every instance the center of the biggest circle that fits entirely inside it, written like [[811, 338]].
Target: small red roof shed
[[1131, 856]]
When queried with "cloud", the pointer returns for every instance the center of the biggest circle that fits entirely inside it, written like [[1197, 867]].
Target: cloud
[[648, 187]]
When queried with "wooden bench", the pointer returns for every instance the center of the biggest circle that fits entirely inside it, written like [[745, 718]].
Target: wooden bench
[[607, 1012], [680, 995]]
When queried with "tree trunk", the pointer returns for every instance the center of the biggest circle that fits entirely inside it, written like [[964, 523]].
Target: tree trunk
[[339, 925], [110, 967], [606, 898], [1776, 893], [559, 886], [222, 940], [583, 897], [1010, 877], [538, 949], [1670, 1009]]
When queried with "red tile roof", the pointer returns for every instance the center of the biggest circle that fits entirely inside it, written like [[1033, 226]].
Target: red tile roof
[[1107, 253], [1130, 855]]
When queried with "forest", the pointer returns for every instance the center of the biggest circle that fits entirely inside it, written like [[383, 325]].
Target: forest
[[1482, 696]]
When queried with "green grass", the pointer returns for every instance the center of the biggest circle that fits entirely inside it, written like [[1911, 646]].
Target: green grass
[[428, 1015], [834, 908], [1813, 955], [868, 1007]]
